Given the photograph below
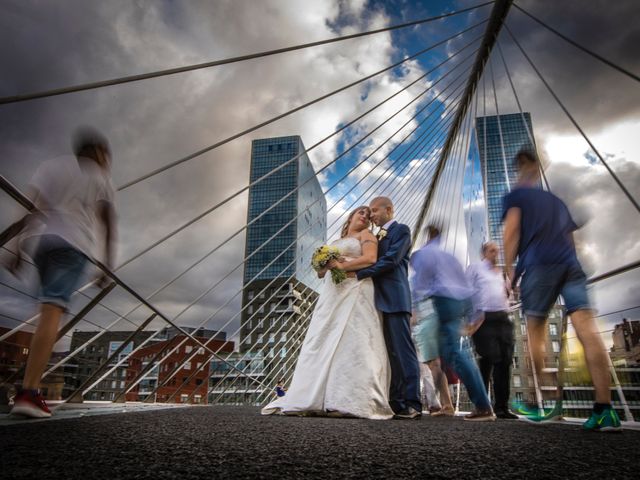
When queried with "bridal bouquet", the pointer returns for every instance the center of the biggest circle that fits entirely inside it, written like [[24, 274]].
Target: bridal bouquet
[[324, 255]]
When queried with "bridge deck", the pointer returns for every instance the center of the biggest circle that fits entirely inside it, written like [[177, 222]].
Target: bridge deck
[[236, 442]]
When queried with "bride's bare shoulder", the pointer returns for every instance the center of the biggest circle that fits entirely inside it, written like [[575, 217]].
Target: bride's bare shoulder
[[367, 236]]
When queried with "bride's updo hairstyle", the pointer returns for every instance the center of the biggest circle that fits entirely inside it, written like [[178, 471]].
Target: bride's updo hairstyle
[[345, 227]]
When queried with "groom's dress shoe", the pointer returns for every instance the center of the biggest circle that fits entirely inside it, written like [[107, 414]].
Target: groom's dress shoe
[[506, 414], [409, 413]]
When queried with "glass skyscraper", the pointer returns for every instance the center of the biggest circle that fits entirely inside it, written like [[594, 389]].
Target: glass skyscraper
[[304, 211], [278, 280], [499, 138]]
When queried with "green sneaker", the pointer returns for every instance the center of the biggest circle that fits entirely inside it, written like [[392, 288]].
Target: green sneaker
[[607, 421], [532, 414]]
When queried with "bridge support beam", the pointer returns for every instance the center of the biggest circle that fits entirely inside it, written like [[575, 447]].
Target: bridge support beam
[[496, 20]]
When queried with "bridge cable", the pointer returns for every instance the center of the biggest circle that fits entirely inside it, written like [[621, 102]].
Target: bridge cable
[[290, 112], [577, 45], [575, 124], [226, 61]]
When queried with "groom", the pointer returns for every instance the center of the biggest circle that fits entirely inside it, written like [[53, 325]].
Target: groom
[[393, 299]]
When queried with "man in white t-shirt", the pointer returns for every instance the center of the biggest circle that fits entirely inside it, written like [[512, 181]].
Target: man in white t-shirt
[[74, 201]]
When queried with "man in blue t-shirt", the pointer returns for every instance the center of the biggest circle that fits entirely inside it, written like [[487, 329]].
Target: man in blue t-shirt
[[538, 228]]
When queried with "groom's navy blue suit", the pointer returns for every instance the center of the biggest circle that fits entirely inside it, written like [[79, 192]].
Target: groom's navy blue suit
[[393, 299]]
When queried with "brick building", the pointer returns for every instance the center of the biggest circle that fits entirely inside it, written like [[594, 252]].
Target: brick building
[[189, 358], [14, 351]]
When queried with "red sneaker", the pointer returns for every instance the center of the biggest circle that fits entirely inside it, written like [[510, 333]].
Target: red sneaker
[[30, 405]]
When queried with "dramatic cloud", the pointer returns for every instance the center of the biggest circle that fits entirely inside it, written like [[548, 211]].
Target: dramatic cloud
[[152, 123], [155, 122]]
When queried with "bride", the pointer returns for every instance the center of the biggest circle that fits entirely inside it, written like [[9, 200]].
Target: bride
[[343, 367]]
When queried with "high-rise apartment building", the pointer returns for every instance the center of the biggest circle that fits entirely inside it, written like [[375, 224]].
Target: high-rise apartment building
[[279, 284]]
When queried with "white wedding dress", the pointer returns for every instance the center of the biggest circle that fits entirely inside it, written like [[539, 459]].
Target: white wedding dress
[[343, 366]]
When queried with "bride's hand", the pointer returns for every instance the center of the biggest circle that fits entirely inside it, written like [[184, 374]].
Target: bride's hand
[[334, 264]]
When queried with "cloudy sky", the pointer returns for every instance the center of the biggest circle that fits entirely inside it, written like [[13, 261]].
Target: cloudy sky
[[155, 122]]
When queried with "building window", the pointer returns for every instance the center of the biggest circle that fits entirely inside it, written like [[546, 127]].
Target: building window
[[250, 295], [523, 328], [272, 338], [250, 309], [260, 338], [247, 339], [283, 352], [519, 396], [517, 381], [553, 329], [188, 349], [187, 365], [114, 384], [25, 351], [515, 362], [555, 345], [283, 337]]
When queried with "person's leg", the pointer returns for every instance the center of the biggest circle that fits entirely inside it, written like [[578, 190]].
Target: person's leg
[[441, 383], [540, 288], [486, 371], [396, 391], [449, 313], [536, 328], [574, 292], [430, 396], [42, 345], [60, 267], [502, 369], [595, 354], [485, 346], [399, 333]]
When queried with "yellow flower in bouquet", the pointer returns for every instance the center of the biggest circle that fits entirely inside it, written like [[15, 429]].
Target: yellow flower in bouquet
[[324, 255]]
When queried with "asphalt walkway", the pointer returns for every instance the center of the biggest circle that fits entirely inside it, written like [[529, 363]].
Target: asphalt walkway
[[236, 442]]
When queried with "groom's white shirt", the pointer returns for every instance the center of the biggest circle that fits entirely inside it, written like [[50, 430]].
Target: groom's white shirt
[[388, 224]]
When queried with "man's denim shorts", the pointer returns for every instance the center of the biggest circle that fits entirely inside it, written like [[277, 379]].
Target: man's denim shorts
[[426, 333], [60, 266], [542, 284]]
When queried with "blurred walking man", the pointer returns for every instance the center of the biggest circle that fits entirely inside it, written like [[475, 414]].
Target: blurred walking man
[[493, 338], [74, 200], [538, 229], [439, 277]]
